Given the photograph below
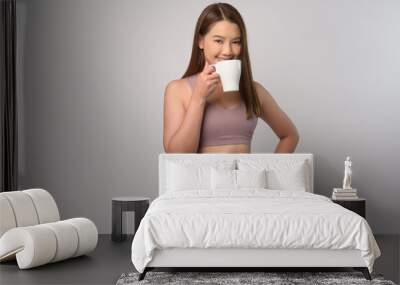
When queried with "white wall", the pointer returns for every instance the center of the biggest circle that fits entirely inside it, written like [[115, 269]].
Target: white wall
[[92, 75]]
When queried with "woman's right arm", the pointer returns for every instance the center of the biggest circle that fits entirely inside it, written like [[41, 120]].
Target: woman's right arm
[[182, 127]]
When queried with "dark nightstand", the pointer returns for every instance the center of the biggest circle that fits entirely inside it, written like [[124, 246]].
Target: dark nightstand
[[355, 205], [139, 205]]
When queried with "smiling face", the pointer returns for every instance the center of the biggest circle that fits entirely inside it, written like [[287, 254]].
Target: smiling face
[[222, 42]]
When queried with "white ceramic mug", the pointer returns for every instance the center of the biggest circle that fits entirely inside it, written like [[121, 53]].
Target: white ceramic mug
[[229, 73]]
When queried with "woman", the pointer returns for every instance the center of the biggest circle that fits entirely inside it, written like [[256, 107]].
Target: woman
[[198, 116]]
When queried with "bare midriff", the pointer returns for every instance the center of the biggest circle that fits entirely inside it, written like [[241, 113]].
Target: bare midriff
[[232, 148]]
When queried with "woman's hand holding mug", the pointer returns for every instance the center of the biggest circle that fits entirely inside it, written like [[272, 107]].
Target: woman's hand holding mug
[[206, 82]]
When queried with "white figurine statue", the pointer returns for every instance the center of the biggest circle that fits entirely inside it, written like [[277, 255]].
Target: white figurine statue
[[347, 174]]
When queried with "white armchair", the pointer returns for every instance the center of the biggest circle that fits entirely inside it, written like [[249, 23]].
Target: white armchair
[[32, 233]]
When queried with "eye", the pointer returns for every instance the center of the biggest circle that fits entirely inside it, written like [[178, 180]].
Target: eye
[[220, 42]]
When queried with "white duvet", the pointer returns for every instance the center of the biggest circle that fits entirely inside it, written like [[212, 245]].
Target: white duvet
[[250, 218]]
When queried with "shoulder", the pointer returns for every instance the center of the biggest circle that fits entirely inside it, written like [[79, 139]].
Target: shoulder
[[262, 93], [177, 85], [260, 89], [178, 90]]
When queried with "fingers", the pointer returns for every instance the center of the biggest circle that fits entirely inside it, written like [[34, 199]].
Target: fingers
[[214, 76], [212, 84], [211, 76], [213, 79], [208, 68]]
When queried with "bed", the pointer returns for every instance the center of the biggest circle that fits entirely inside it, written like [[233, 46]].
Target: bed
[[247, 210]]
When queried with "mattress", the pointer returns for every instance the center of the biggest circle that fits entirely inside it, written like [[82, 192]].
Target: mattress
[[250, 218]]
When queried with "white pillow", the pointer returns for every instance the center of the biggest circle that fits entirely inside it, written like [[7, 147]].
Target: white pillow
[[236, 179], [251, 178], [192, 174], [282, 174], [287, 179], [223, 179]]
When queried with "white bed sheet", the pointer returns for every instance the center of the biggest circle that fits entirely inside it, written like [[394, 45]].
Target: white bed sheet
[[250, 218]]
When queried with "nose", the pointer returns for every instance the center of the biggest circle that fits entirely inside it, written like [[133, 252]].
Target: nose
[[227, 50]]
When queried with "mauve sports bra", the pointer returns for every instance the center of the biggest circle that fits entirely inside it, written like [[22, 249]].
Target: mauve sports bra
[[222, 126]]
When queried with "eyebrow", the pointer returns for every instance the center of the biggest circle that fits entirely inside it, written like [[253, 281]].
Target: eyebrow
[[217, 36]]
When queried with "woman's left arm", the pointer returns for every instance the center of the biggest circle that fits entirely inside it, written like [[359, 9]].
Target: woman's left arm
[[279, 122]]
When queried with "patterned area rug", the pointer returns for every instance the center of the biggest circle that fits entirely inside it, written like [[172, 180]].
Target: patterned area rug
[[275, 278]]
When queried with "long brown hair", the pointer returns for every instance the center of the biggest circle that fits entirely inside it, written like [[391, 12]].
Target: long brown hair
[[210, 15]]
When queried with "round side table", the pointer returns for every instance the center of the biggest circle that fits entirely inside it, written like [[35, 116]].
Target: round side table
[[139, 205]]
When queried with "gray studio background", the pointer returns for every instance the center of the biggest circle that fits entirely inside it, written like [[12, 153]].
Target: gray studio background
[[92, 75]]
